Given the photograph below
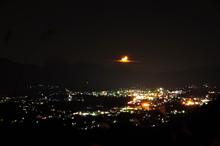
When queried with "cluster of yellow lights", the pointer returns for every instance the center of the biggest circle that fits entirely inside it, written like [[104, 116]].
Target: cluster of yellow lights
[[195, 103], [145, 104], [190, 103], [205, 100], [139, 97]]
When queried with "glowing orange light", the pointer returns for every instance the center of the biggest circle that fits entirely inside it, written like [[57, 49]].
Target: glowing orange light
[[125, 59], [130, 102], [145, 104], [190, 103]]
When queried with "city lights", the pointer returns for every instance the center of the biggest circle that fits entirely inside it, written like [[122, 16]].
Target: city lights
[[205, 100], [145, 104], [100, 73], [190, 103]]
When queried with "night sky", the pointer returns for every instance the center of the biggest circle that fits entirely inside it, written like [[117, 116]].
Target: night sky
[[159, 35]]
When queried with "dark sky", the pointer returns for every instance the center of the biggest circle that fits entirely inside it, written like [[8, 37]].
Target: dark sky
[[160, 35]]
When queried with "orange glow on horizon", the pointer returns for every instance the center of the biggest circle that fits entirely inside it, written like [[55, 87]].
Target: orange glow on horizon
[[125, 59]]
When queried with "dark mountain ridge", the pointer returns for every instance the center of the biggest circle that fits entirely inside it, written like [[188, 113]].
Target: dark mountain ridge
[[84, 76]]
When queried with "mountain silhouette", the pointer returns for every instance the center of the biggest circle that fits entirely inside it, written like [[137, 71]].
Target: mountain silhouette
[[84, 76]]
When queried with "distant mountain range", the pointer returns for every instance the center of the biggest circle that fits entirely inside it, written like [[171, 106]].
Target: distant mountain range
[[84, 76]]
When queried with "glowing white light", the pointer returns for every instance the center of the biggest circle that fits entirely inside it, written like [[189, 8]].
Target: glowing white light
[[205, 100]]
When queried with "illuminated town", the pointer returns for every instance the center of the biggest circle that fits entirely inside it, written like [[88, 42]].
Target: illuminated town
[[109, 73], [152, 106], [136, 107]]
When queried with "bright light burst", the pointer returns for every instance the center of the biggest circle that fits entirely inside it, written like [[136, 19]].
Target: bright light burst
[[125, 59], [145, 104]]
